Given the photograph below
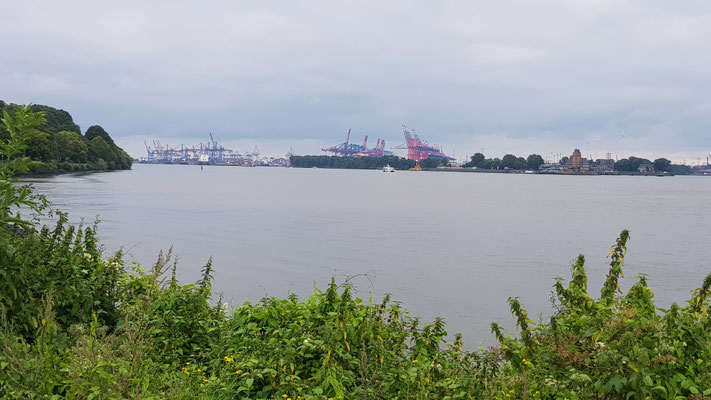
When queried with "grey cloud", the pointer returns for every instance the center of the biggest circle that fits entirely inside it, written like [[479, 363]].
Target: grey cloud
[[542, 74]]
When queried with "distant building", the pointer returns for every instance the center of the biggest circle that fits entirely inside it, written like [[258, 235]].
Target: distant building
[[577, 163], [604, 166], [584, 165], [576, 160], [552, 168], [646, 168]]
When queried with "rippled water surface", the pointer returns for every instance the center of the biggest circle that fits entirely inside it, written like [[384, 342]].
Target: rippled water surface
[[455, 245]]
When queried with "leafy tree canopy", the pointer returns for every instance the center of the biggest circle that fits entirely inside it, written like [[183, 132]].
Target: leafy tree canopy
[[57, 120], [351, 162], [61, 145], [98, 131], [662, 165], [476, 160], [534, 161]]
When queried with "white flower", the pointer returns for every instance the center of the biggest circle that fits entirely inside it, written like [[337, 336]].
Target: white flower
[[87, 256], [84, 271]]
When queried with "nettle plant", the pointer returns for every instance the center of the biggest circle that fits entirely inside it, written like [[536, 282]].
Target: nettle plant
[[617, 346]]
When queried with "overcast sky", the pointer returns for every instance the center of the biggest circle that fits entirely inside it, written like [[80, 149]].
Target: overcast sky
[[506, 76]]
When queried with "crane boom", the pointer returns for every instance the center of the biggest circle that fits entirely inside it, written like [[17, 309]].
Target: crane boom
[[348, 139]]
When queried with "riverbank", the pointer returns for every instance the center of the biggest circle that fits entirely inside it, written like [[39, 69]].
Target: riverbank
[[524, 172]]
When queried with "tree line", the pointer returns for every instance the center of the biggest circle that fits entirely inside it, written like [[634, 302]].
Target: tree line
[[632, 164], [351, 162], [61, 146], [533, 161], [509, 161]]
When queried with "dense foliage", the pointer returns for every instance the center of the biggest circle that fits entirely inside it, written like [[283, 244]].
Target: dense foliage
[[60, 146], [351, 162], [533, 161], [612, 347], [509, 161], [79, 324], [434, 162]]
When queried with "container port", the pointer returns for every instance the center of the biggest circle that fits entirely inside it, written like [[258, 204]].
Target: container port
[[418, 149], [348, 149], [210, 153]]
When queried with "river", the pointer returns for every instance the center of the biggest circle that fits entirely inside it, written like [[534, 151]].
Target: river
[[454, 245]]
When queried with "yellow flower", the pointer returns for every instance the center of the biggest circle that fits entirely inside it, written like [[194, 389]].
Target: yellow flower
[[239, 371], [284, 395], [414, 361], [204, 379], [229, 359], [288, 398], [187, 363], [199, 370]]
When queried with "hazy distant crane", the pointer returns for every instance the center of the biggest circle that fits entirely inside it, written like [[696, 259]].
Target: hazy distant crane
[[255, 154]]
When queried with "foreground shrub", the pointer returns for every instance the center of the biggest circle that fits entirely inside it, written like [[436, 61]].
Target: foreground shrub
[[613, 347], [64, 263]]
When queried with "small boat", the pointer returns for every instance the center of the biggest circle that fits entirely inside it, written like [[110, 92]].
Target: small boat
[[388, 168]]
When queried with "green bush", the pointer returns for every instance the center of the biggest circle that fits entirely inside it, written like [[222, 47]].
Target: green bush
[[613, 347]]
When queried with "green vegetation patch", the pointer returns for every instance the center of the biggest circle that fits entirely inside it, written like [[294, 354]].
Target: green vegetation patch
[[59, 144], [351, 162]]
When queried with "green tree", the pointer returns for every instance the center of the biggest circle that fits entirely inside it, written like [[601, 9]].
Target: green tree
[[662, 165], [630, 164], [489, 163], [475, 161], [679, 169], [56, 120], [564, 160], [98, 131], [433, 162], [20, 128], [534, 161], [101, 153], [71, 147], [509, 161], [40, 148]]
